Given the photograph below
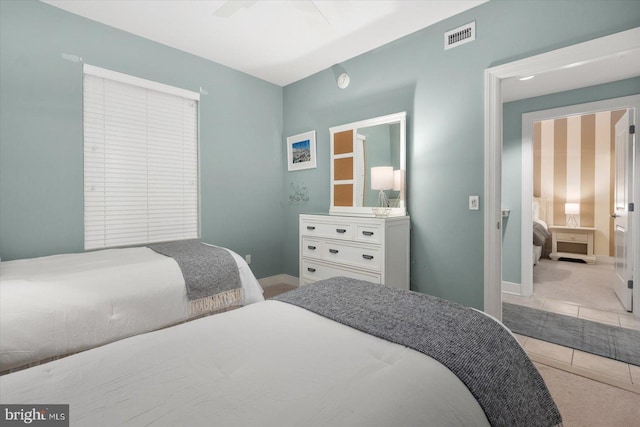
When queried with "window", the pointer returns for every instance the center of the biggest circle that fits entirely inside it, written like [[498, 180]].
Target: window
[[140, 161]]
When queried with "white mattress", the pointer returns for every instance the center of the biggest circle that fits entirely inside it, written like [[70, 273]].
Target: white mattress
[[61, 304], [267, 364]]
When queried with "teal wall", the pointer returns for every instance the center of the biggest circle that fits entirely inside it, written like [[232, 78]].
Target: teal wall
[[443, 94], [245, 189], [41, 160], [512, 157]]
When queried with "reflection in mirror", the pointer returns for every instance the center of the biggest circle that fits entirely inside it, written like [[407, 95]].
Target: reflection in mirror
[[357, 150]]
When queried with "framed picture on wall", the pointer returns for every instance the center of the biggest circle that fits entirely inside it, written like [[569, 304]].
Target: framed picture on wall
[[301, 151]]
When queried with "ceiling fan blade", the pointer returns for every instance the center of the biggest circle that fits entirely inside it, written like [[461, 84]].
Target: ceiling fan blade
[[309, 6], [230, 7]]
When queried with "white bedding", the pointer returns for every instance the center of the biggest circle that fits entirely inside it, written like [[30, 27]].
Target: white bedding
[[267, 364], [61, 304]]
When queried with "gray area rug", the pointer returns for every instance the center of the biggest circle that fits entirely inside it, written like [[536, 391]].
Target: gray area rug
[[609, 341]]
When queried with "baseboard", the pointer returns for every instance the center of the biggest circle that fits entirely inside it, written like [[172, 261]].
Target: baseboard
[[602, 259], [511, 288], [278, 279]]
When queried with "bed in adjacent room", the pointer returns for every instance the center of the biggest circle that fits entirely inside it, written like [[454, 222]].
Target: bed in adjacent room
[[57, 305], [540, 229], [339, 352]]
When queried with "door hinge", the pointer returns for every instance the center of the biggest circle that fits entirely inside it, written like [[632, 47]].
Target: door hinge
[[631, 207], [632, 129], [630, 284]]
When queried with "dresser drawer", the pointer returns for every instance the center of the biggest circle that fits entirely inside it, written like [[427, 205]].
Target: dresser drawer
[[334, 230], [313, 271], [371, 233], [369, 257], [573, 237], [311, 248]]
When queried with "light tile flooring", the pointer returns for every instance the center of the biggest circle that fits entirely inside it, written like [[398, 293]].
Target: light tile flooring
[[600, 368], [620, 374]]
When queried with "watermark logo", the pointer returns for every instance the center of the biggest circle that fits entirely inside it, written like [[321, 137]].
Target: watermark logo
[[36, 415]]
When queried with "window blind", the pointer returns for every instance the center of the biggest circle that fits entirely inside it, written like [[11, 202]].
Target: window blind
[[140, 162]]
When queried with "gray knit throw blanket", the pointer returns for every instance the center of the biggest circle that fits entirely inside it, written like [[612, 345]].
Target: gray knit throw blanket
[[210, 274]]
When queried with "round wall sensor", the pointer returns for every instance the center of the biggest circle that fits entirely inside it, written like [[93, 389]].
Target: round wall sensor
[[343, 80]]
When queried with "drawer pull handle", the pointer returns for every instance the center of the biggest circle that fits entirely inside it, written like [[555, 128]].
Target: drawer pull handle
[[310, 227], [368, 233], [313, 248], [312, 270], [333, 251], [341, 230], [365, 256]]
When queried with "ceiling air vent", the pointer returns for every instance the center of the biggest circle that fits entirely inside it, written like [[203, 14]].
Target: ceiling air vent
[[460, 35]]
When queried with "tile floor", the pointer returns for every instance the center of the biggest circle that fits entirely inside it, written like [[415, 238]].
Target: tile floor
[[589, 365]]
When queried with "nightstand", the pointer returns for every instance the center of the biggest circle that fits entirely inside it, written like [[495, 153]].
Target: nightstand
[[581, 236]]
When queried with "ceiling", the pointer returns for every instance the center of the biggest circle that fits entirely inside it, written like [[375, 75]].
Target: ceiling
[[619, 66], [283, 41], [277, 41]]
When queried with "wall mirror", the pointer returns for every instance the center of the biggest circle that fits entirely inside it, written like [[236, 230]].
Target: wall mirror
[[368, 167]]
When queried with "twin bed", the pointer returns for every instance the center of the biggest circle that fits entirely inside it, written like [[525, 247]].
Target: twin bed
[[340, 352], [57, 305]]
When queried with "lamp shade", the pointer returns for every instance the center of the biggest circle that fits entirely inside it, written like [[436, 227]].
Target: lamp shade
[[572, 208], [382, 178]]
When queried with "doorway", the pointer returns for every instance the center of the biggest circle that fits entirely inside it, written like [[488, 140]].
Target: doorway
[[568, 155], [565, 58]]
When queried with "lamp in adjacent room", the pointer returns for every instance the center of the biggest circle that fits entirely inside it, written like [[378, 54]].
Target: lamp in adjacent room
[[571, 210], [381, 180]]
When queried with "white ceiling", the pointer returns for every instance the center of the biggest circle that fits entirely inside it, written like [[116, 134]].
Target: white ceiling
[[283, 41], [277, 41]]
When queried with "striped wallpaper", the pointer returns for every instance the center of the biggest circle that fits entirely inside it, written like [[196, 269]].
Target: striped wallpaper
[[573, 162]]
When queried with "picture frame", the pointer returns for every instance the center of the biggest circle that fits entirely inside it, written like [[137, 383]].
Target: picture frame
[[301, 151]]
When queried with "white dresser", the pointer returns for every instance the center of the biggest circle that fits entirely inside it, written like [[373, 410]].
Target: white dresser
[[373, 249]]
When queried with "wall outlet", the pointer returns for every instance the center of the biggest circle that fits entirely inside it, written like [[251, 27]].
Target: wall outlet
[[474, 203], [248, 258]]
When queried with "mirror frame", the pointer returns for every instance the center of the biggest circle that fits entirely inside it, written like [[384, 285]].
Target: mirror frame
[[400, 118]]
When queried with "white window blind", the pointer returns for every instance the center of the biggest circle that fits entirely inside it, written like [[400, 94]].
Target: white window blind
[[140, 161]]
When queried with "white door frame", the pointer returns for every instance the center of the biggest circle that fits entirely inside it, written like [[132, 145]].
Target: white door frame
[[528, 119], [561, 58]]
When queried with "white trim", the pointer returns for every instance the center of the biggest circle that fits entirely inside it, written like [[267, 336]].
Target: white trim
[[137, 81], [492, 194], [528, 119], [561, 58], [390, 118], [526, 213], [511, 288]]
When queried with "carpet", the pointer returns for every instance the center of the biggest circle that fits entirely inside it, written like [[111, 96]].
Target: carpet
[[604, 340]]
